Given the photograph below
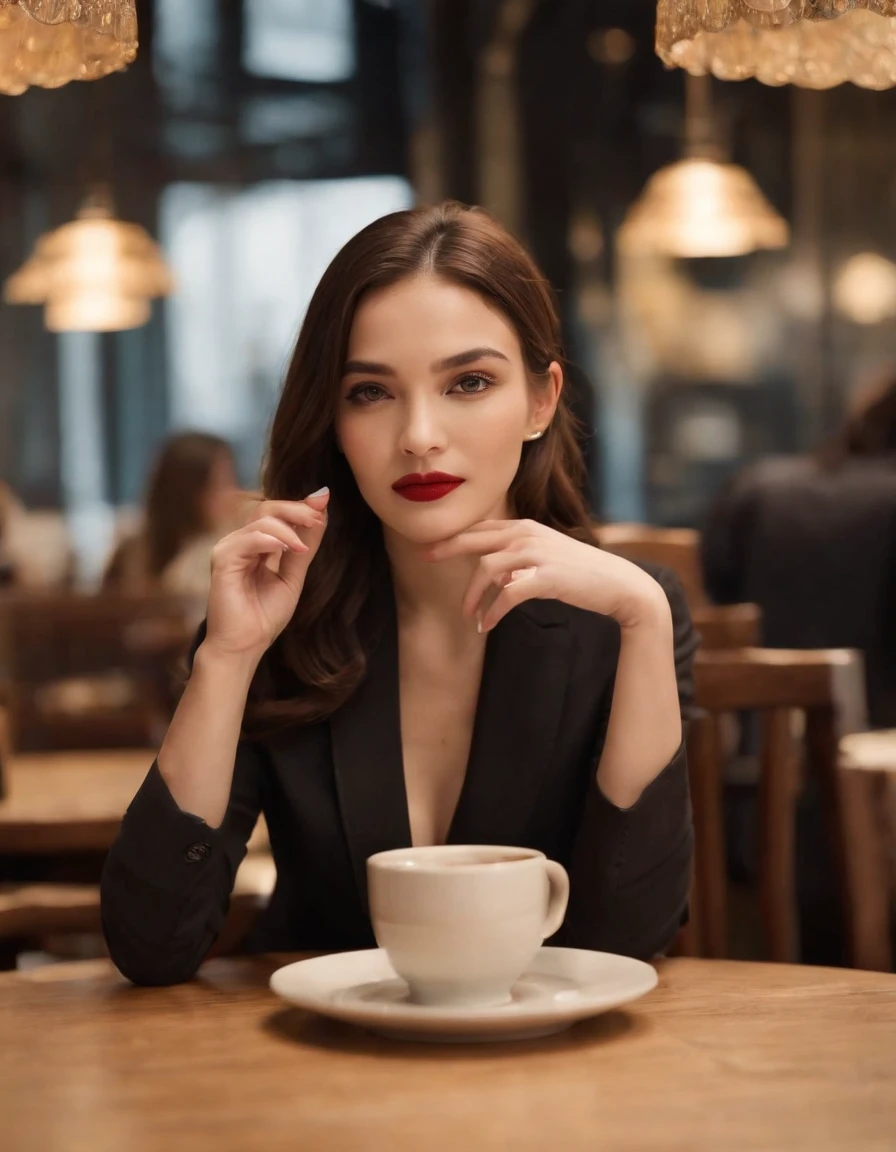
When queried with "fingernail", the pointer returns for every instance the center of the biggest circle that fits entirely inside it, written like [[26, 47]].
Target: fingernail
[[319, 492]]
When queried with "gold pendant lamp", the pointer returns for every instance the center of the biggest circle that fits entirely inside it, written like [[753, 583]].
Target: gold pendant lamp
[[94, 274], [808, 43], [701, 205], [47, 43]]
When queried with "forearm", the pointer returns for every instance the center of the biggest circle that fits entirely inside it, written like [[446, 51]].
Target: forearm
[[197, 757], [644, 728]]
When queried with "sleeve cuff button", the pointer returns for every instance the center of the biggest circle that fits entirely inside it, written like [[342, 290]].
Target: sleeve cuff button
[[197, 851]]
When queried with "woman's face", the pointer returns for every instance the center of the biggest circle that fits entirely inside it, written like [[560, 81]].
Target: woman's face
[[435, 382]]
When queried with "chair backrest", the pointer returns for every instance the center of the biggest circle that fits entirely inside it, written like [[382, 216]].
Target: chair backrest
[[727, 625], [676, 548], [823, 687], [73, 679], [765, 679]]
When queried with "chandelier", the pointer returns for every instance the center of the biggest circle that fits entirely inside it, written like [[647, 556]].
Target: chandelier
[[95, 274], [701, 205], [50, 42], [809, 43]]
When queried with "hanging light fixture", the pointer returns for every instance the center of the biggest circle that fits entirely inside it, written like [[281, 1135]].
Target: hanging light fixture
[[50, 42], [701, 205], [809, 43], [95, 274]]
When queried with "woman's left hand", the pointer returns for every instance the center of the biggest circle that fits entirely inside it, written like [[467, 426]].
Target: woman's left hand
[[527, 560]]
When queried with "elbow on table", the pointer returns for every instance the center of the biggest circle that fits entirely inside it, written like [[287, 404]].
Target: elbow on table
[[149, 967], [146, 937]]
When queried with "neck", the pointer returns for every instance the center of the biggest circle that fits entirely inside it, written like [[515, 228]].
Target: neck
[[431, 593]]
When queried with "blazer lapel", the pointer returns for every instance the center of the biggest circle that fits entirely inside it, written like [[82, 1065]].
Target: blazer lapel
[[518, 714], [365, 736]]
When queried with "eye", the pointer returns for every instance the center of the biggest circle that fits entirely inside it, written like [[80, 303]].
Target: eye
[[476, 378], [358, 394]]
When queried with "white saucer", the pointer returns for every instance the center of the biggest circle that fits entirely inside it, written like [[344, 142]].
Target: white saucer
[[560, 986]]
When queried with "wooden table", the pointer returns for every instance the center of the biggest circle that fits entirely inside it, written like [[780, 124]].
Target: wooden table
[[69, 801], [723, 1055], [60, 802]]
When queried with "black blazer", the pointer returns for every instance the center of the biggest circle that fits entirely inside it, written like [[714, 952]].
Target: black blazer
[[333, 793], [815, 548]]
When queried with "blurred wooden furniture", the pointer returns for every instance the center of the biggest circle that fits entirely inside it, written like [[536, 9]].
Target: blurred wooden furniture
[[728, 625], [68, 801], [64, 802], [74, 801], [676, 548], [721, 1055], [72, 679], [827, 687], [868, 810], [35, 909]]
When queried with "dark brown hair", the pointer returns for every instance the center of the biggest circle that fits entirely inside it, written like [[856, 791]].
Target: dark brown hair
[[322, 653], [179, 479], [869, 429]]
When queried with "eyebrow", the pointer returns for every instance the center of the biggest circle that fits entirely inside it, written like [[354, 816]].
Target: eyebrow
[[459, 360]]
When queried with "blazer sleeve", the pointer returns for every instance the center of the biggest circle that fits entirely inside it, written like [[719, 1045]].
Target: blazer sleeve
[[167, 879], [630, 869]]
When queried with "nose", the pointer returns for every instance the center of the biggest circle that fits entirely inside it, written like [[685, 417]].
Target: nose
[[421, 433]]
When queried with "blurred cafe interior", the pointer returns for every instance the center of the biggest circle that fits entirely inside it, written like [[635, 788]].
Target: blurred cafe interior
[[710, 188]]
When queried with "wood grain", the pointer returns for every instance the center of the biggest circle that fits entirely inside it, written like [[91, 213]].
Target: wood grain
[[723, 1055], [74, 801]]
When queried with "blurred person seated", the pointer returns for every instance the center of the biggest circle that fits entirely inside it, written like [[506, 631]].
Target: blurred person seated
[[812, 541], [9, 509], [192, 501], [35, 547]]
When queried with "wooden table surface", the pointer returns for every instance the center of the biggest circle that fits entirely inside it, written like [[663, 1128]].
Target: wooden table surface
[[722, 1056], [61, 802], [67, 801]]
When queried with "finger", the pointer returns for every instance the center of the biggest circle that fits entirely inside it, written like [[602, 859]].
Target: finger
[[524, 587], [291, 511], [280, 529], [492, 571], [240, 548]]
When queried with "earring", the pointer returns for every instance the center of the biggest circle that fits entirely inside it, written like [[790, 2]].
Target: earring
[[535, 435]]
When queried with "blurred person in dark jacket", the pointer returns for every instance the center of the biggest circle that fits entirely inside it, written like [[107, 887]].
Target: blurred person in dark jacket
[[812, 541], [191, 502]]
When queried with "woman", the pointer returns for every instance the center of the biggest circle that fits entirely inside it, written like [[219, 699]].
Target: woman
[[190, 505], [341, 685]]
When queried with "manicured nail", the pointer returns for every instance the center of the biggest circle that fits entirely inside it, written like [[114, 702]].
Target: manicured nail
[[319, 492]]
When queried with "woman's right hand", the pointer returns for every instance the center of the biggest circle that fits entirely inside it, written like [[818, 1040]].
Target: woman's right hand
[[258, 573]]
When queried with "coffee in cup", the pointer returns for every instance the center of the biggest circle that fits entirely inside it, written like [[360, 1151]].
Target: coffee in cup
[[459, 922]]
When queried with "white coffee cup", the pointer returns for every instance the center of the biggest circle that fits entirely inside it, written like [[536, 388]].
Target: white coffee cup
[[461, 922]]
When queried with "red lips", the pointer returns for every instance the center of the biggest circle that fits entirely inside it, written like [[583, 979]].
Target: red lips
[[419, 486], [426, 478]]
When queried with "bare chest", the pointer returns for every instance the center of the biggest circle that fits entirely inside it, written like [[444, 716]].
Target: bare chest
[[438, 692]]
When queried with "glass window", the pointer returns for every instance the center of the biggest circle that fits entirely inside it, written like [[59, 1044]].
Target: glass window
[[247, 262], [309, 40]]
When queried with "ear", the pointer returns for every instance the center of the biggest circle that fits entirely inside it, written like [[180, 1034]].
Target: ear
[[546, 400]]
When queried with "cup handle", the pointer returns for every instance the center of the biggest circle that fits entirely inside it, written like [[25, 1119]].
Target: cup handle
[[558, 897]]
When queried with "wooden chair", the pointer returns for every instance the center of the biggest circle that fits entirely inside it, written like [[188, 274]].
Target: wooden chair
[[725, 626], [867, 781], [720, 627], [827, 688], [72, 680], [676, 548]]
